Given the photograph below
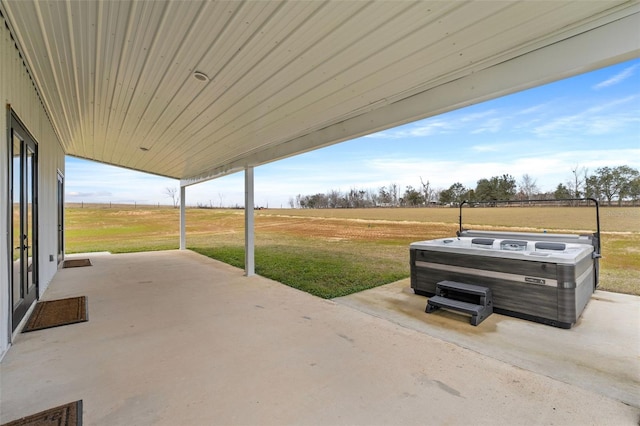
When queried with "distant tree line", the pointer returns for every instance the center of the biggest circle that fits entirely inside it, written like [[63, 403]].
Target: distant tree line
[[607, 184]]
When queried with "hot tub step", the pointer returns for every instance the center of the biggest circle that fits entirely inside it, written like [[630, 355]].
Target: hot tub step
[[470, 299]]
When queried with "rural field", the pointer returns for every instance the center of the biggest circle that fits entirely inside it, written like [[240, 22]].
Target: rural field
[[333, 252]]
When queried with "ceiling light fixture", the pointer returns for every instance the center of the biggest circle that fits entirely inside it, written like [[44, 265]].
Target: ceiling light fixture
[[200, 76]]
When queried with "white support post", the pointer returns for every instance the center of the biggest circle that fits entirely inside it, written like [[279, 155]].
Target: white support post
[[249, 240], [183, 218]]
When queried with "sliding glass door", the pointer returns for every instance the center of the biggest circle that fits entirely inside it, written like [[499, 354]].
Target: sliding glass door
[[23, 193]]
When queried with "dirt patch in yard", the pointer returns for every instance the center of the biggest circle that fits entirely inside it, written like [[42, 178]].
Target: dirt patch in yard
[[352, 230]]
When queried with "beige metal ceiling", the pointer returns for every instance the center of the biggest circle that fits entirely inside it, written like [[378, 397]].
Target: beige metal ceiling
[[285, 77]]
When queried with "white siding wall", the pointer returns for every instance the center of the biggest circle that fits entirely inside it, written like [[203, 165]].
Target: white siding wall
[[17, 89]]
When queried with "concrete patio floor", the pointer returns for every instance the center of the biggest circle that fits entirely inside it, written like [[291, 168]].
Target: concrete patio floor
[[600, 353], [177, 338]]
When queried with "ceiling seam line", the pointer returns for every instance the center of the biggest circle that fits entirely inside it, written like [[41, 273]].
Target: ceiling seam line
[[249, 39], [224, 29], [152, 47], [327, 79]]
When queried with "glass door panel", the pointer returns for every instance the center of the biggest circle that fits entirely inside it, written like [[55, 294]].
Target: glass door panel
[[24, 236], [29, 228], [60, 217], [16, 243]]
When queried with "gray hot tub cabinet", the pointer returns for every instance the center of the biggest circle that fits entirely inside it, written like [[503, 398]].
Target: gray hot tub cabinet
[[547, 278]]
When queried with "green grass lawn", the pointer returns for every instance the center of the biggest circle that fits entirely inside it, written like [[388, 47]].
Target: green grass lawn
[[332, 253], [321, 272]]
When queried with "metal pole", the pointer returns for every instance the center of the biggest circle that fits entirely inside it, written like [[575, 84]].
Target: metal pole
[[183, 218], [249, 238]]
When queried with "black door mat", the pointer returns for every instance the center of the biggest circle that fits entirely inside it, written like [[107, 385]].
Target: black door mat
[[76, 263], [65, 415], [54, 313]]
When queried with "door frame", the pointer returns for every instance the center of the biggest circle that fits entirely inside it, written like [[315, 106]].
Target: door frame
[[18, 313], [60, 216]]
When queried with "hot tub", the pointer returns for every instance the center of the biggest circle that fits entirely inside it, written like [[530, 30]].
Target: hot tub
[[547, 278]]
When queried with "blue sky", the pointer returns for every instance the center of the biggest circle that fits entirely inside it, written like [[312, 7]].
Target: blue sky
[[588, 121]]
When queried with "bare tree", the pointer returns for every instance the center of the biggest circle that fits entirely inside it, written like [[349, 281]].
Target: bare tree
[[393, 191], [334, 198], [372, 197], [577, 184], [436, 195], [528, 187], [427, 191], [384, 196], [173, 194]]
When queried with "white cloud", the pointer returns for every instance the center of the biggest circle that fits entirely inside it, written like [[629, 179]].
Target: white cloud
[[77, 194], [475, 122], [277, 182], [426, 127], [616, 79], [386, 134], [548, 170], [430, 127], [491, 126], [486, 148], [95, 182], [534, 109], [608, 124], [477, 115], [611, 104], [593, 120]]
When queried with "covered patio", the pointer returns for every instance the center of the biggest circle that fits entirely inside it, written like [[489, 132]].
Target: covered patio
[[198, 90], [259, 352]]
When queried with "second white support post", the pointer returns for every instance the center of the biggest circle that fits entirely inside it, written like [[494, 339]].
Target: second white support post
[[183, 218], [249, 240]]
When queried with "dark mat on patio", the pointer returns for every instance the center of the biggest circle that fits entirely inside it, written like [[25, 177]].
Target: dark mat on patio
[[76, 263], [65, 415], [54, 313]]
